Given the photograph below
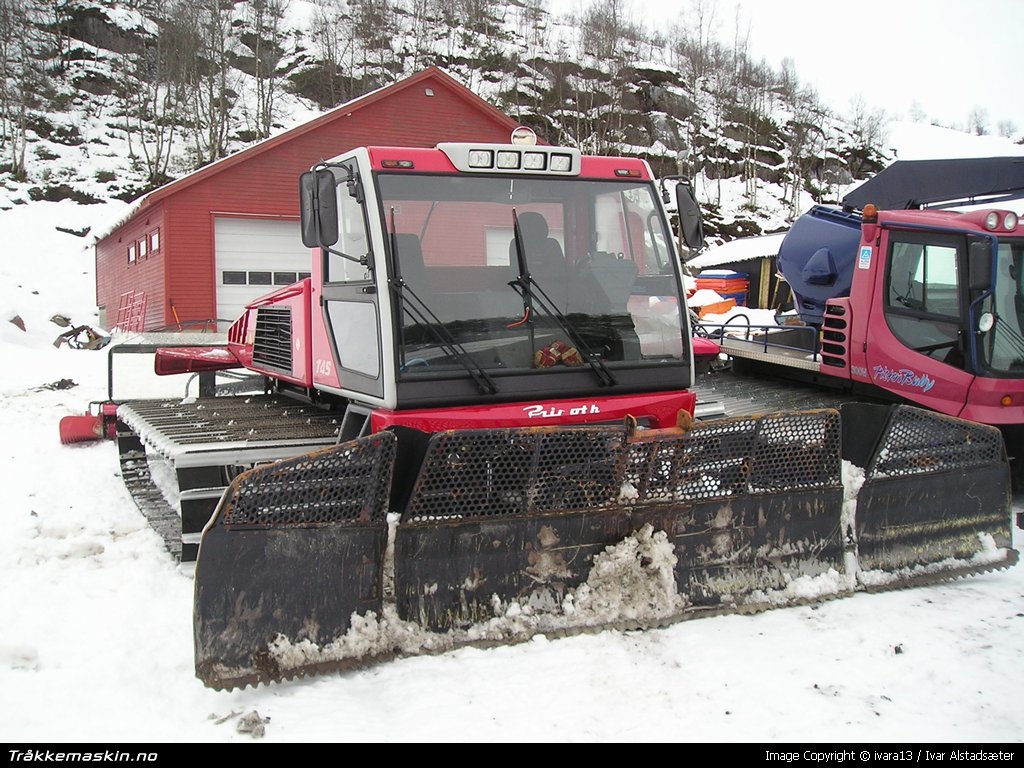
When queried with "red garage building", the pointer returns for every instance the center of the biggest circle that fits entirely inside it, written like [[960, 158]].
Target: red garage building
[[202, 246]]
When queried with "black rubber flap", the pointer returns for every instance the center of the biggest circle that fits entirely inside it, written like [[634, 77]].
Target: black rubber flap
[[295, 549], [517, 516], [936, 495]]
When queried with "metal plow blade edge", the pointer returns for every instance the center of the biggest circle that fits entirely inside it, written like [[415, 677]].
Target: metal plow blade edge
[[510, 533]]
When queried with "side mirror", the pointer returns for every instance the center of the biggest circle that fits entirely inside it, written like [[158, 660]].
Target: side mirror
[[690, 223], [979, 264], [318, 208]]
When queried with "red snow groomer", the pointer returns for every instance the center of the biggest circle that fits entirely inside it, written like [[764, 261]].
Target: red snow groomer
[[905, 300], [477, 426]]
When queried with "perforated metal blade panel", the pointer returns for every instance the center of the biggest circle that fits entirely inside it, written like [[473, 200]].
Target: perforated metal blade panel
[[344, 484], [919, 442], [489, 473]]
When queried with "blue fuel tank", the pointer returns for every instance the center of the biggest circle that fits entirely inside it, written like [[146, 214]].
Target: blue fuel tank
[[817, 258]]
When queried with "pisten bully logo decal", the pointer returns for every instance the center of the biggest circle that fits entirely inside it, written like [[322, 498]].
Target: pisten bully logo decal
[[904, 377]]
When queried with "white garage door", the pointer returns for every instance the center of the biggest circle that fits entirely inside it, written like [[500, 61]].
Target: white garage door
[[255, 257]]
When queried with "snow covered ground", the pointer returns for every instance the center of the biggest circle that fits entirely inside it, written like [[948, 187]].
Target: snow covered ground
[[96, 639], [96, 643]]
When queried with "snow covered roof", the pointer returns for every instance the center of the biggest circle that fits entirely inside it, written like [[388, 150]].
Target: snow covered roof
[[743, 249], [342, 110]]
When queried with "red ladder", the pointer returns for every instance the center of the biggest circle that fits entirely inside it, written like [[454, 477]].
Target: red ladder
[[131, 312]]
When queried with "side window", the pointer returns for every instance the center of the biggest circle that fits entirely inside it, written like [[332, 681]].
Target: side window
[[353, 241], [923, 295], [923, 277]]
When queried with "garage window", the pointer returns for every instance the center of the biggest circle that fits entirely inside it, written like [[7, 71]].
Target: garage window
[[284, 278], [233, 278], [260, 278]]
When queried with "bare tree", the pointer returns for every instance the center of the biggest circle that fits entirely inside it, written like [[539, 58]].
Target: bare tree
[[603, 28], [215, 82], [56, 19], [373, 22], [22, 81], [533, 23], [867, 125], [703, 27], [1007, 128], [156, 89], [807, 142], [333, 43], [265, 37], [977, 121]]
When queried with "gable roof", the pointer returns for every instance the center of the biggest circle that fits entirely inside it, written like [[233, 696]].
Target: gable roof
[[435, 74]]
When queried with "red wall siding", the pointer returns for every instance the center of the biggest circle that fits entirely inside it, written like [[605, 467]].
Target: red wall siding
[[115, 276], [267, 183]]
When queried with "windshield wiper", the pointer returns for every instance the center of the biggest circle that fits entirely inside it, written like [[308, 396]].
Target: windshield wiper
[[424, 317], [533, 294]]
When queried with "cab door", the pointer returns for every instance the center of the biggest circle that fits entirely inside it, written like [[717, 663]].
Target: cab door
[[349, 299], [916, 344]]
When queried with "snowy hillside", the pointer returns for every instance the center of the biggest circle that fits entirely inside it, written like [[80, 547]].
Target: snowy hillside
[[104, 100]]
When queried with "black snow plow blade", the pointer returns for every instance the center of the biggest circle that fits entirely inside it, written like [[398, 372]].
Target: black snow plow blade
[[507, 533]]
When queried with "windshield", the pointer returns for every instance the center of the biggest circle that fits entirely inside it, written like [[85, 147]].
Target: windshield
[[603, 286], [1003, 346]]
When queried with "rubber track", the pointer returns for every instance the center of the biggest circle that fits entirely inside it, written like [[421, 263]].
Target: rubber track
[[161, 517], [202, 425], [269, 675]]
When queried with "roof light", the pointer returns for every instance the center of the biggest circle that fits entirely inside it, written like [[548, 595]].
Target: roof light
[[870, 213], [629, 172], [1010, 221], [481, 158], [396, 164], [992, 220], [508, 159], [561, 163], [535, 161]]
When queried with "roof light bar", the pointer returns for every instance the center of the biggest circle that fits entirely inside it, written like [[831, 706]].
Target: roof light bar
[[512, 158]]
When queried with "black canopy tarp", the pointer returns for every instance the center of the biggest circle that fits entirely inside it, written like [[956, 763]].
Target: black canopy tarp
[[919, 183]]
